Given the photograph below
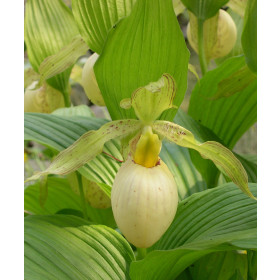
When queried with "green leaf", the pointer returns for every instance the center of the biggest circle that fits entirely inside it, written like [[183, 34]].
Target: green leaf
[[96, 17], [49, 26], [87, 147], [249, 35], [229, 118], [222, 157], [204, 9], [186, 176], [67, 247], [62, 60], [205, 222], [220, 266], [61, 197], [139, 50], [59, 132]]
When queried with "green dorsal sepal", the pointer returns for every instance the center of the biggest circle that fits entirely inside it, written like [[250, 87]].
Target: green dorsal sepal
[[151, 100]]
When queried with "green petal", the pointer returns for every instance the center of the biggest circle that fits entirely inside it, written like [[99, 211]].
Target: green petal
[[151, 100], [88, 146], [220, 155]]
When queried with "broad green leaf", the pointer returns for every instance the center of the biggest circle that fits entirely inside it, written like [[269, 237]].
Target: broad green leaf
[[87, 147], [252, 264], [249, 35], [229, 118], [221, 266], [59, 132], [81, 110], [96, 17], [138, 51], [62, 60], [205, 222], [61, 197], [49, 26], [186, 176], [67, 247], [222, 157], [204, 9]]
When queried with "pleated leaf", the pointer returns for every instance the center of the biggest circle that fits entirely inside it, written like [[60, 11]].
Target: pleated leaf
[[49, 26], [213, 220], [67, 247], [229, 118], [61, 198], [96, 17], [139, 50]]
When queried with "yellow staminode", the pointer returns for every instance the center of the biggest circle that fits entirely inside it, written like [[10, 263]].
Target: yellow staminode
[[147, 148]]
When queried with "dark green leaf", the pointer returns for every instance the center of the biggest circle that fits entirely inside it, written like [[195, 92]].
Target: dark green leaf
[[67, 247], [138, 50], [249, 35]]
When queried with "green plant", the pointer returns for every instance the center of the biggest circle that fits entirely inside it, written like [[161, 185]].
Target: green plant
[[179, 192]]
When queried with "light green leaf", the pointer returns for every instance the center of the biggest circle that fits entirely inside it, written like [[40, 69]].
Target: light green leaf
[[87, 147], [60, 198], [220, 155], [151, 100], [249, 35], [67, 247], [221, 266], [62, 60], [193, 70], [204, 9], [58, 133], [96, 17], [229, 118], [205, 222], [139, 50], [49, 26]]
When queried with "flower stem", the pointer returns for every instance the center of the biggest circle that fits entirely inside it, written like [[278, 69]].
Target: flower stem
[[83, 201], [141, 253], [201, 51]]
